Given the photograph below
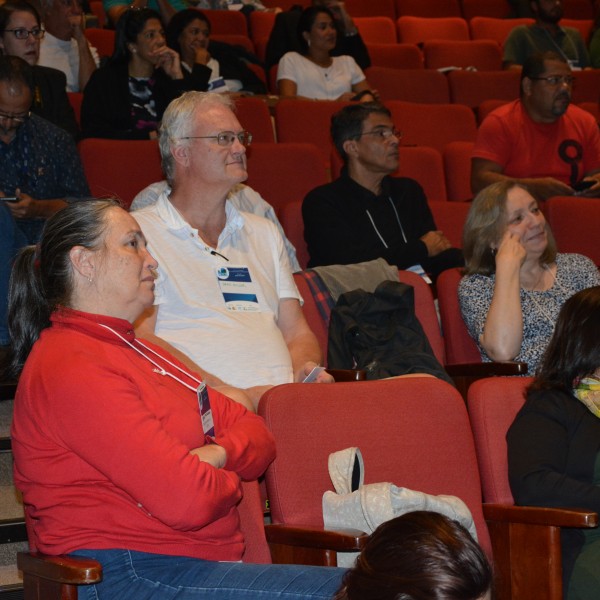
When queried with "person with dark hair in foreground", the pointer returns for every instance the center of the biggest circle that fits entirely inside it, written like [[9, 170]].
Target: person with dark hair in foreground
[[123, 454], [419, 556], [554, 442]]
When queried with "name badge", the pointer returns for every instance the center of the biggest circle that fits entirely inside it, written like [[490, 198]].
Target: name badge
[[208, 425], [237, 287]]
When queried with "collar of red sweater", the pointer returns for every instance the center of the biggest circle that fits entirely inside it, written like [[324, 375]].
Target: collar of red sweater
[[92, 324]]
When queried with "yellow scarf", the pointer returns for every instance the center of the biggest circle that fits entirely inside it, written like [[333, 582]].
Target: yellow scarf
[[587, 390]]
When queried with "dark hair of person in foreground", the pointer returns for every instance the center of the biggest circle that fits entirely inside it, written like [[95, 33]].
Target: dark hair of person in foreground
[[419, 556]]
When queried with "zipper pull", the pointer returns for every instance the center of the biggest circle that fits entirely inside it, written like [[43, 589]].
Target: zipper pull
[[160, 371]]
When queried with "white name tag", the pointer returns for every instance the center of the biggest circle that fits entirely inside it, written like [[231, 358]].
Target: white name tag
[[237, 287]]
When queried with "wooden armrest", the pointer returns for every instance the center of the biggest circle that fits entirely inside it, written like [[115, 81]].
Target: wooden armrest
[[537, 515], [339, 540], [63, 569], [486, 369], [348, 374]]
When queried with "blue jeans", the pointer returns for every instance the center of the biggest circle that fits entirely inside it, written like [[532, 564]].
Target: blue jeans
[[12, 239], [129, 575]]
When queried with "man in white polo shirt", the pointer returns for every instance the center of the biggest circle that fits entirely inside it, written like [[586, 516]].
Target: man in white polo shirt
[[225, 294]]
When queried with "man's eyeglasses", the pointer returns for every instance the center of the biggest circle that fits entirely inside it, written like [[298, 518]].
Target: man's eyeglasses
[[224, 138], [555, 80], [21, 33], [15, 118], [385, 133]]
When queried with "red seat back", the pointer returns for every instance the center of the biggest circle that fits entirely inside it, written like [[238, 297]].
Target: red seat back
[[396, 56], [416, 30], [283, 173], [413, 432], [460, 346], [433, 125], [483, 55], [575, 222], [120, 168], [493, 405], [457, 168], [410, 85]]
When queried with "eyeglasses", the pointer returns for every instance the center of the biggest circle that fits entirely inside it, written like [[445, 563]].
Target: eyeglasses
[[385, 133], [224, 138], [16, 118], [21, 33], [555, 80]]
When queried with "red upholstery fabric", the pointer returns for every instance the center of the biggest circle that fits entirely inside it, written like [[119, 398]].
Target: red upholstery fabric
[[377, 30], [450, 218], [102, 39], [457, 167], [252, 525], [97, 9], [415, 30], [498, 9], [412, 432], [484, 55], [493, 404], [487, 28], [587, 84], [579, 9], [261, 24], [574, 222], [227, 21], [372, 8], [235, 39], [428, 8], [396, 56], [290, 217], [433, 125], [473, 87], [253, 114], [306, 121], [283, 173], [75, 100], [410, 85], [487, 106], [120, 168], [460, 346]]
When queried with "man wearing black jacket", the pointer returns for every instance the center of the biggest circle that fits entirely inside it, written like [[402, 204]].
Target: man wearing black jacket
[[367, 214]]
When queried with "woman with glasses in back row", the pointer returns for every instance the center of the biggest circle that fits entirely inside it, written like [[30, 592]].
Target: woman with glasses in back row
[[20, 35], [126, 98]]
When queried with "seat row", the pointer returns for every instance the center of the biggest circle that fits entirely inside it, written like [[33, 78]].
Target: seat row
[[415, 433], [283, 173]]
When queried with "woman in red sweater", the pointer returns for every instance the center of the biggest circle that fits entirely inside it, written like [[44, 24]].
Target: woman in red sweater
[[122, 454]]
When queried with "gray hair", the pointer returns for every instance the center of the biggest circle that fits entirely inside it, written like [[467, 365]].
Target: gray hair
[[178, 121]]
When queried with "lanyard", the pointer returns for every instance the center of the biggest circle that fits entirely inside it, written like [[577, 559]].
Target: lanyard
[[200, 391]]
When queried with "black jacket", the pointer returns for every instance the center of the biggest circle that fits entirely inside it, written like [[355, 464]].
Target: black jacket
[[105, 112], [50, 99], [338, 230], [552, 449]]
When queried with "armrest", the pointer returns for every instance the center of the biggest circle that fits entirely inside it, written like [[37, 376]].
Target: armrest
[[339, 540], [348, 374], [486, 369], [63, 569], [537, 515]]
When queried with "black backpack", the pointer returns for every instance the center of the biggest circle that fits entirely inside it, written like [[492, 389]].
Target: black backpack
[[379, 332]]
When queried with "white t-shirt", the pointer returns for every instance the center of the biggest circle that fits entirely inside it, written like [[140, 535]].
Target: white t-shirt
[[64, 56], [241, 348], [316, 82]]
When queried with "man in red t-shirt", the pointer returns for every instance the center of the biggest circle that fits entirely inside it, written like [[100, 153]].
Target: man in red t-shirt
[[541, 140]]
